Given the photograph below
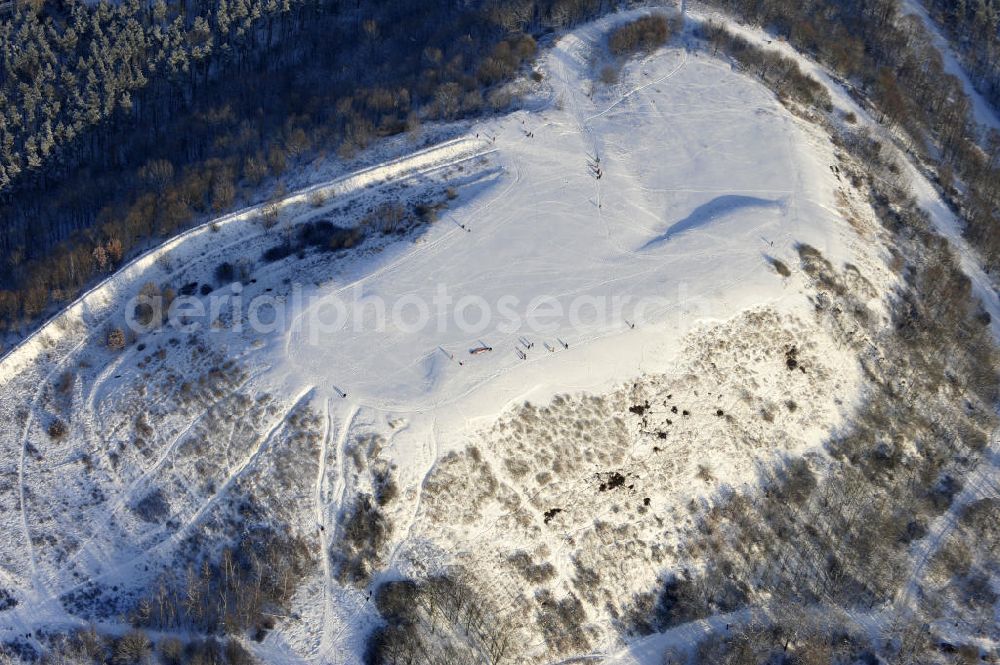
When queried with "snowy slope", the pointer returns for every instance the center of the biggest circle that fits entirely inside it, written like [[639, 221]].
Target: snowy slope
[[722, 171], [705, 175], [921, 188], [705, 179]]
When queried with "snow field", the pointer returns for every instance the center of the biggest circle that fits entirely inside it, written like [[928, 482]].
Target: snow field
[[705, 180]]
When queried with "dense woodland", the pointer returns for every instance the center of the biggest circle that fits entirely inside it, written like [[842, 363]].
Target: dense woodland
[[124, 122]]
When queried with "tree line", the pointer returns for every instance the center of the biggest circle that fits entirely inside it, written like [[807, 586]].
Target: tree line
[[974, 28], [120, 123]]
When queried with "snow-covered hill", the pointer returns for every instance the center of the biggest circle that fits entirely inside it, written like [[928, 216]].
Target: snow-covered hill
[[586, 315]]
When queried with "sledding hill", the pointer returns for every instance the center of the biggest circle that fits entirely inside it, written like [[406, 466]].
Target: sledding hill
[[523, 352]]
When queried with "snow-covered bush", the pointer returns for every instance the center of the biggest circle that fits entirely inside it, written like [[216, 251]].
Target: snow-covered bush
[[365, 531], [642, 34], [116, 339]]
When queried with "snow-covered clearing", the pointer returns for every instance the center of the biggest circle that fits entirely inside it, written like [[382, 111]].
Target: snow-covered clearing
[[675, 190]]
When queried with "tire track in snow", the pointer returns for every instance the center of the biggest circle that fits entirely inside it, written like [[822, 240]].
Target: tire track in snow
[[140, 482], [979, 483], [432, 450], [340, 489], [235, 474], [640, 88], [259, 449], [319, 504], [24, 506]]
